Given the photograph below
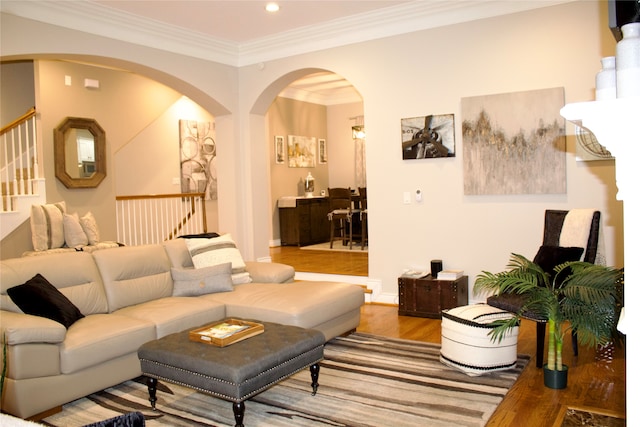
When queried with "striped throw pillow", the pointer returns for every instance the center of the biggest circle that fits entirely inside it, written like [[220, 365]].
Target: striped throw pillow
[[47, 229], [216, 251]]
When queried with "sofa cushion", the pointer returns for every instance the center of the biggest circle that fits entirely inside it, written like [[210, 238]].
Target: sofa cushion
[[102, 337], [40, 298], [47, 229], [198, 281], [304, 303], [75, 274], [74, 235], [219, 250], [134, 274], [175, 314]]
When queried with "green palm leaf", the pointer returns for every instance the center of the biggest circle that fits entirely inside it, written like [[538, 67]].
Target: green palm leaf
[[582, 296]]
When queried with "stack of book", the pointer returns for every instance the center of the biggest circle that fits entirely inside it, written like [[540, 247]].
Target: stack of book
[[450, 274], [415, 274]]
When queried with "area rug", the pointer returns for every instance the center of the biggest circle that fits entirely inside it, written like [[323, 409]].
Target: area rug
[[365, 380], [588, 417], [337, 247]]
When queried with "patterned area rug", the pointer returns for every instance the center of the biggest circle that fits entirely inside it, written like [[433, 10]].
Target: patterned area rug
[[589, 417], [365, 380], [337, 247]]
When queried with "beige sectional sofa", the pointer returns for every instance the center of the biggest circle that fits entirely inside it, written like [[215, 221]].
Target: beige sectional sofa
[[126, 297]]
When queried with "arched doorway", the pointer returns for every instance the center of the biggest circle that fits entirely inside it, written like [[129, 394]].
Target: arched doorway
[[307, 97]]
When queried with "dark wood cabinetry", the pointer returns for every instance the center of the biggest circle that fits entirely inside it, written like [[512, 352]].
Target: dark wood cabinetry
[[427, 297], [304, 223]]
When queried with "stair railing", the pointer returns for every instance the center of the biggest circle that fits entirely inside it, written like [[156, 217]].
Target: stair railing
[[152, 219], [18, 159]]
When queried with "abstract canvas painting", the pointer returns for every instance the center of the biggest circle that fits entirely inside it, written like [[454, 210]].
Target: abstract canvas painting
[[301, 151], [198, 158], [514, 143]]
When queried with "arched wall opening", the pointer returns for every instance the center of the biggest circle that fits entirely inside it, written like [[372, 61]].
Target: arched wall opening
[[272, 181], [121, 128]]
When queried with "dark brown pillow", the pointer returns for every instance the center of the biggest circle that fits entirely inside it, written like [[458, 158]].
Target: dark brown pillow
[[548, 257], [40, 298]]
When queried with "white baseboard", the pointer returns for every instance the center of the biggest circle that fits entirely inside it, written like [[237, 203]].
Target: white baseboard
[[274, 243]]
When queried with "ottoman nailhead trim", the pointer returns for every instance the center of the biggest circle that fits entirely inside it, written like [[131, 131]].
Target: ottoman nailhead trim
[[219, 380], [468, 322], [483, 368]]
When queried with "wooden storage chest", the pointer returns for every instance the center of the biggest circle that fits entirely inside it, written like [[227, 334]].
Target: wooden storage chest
[[427, 297]]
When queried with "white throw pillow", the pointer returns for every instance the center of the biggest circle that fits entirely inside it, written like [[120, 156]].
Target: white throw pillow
[[74, 235], [47, 229], [216, 251], [90, 227], [188, 282]]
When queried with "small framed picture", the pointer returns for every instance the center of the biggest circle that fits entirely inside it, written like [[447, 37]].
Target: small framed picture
[[428, 137], [279, 150], [322, 151]]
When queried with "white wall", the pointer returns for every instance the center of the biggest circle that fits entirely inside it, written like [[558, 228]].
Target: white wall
[[16, 87], [428, 72], [341, 147]]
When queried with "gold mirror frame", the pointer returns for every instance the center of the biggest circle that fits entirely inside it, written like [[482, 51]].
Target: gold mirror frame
[[59, 152]]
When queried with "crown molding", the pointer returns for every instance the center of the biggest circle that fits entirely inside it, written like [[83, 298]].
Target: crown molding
[[391, 21], [99, 20], [405, 18]]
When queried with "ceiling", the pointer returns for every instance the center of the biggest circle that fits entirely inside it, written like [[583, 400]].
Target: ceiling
[[244, 20], [241, 32]]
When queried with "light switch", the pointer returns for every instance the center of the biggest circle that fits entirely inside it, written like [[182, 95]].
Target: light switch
[[407, 198], [67, 80], [418, 196], [175, 181]]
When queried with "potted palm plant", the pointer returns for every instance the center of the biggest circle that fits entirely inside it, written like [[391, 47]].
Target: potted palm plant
[[577, 296]]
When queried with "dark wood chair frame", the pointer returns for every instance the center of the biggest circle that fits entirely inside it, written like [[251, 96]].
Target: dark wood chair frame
[[341, 211], [362, 191]]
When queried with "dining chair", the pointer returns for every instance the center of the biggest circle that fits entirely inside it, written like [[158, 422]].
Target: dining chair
[[341, 214]]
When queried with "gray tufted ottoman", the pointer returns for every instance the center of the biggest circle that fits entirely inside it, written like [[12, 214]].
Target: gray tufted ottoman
[[238, 371]]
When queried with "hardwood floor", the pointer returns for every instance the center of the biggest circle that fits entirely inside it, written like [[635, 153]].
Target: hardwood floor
[[596, 384], [353, 263]]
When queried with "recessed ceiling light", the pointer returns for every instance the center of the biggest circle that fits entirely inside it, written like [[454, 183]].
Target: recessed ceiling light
[[272, 7]]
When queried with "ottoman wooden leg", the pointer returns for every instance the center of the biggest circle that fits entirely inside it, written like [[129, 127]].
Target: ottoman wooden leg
[[152, 384], [238, 413], [315, 373]]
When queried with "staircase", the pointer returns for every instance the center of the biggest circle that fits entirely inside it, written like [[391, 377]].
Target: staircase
[[20, 184]]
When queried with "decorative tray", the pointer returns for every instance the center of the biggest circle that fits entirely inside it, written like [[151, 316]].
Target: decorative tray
[[226, 332]]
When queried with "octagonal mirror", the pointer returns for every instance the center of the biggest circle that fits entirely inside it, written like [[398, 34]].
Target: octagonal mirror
[[80, 153]]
